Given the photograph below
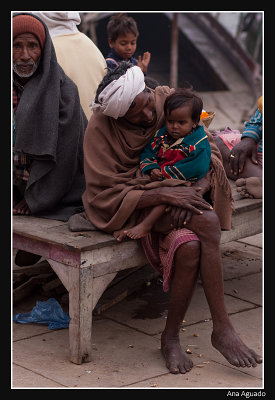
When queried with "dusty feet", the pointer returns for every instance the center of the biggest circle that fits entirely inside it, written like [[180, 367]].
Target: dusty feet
[[250, 187], [228, 343], [176, 360]]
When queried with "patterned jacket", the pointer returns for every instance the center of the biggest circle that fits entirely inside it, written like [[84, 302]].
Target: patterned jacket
[[253, 129], [187, 158]]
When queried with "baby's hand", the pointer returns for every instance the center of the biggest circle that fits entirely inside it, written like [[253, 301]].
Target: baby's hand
[[156, 174], [144, 61]]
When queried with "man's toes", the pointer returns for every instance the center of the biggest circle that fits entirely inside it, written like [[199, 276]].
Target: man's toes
[[172, 368], [242, 192], [258, 359], [255, 359], [240, 182], [185, 367], [248, 362], [243, 364], [234, 361]]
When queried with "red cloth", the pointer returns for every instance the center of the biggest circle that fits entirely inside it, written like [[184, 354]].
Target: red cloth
[[160, 250]]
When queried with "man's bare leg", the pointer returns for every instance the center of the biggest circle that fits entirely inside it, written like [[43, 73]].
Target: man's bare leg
[[224, 337], [185, 273], [146, 225]]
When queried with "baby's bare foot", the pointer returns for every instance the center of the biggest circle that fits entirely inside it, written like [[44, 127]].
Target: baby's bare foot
[[137, 231], [176, 360], [229, 344], [120, 235], [250, 187]]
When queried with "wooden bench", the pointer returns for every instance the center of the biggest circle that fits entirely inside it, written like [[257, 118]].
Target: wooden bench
[[86, 262]]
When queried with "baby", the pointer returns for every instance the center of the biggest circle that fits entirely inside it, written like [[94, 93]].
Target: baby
[[179, 150]]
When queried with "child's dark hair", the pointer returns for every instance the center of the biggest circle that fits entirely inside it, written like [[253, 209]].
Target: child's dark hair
[[184, 97], [121, 24]]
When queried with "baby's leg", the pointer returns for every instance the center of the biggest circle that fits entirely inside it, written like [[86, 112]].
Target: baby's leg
[[146, 225]]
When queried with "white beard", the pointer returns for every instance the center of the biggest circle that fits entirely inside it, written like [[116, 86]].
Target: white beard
[[27, 74]]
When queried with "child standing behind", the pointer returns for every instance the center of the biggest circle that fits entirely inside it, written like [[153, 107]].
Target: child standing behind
[[179, 150], [122, 34]]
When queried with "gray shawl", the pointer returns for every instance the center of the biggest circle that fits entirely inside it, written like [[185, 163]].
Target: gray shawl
[[50, 126]]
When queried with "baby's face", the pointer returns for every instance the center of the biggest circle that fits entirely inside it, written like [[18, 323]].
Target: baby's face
[[179, 122], [125, 45]]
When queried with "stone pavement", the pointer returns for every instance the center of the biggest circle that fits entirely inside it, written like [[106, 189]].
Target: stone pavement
[[126, 337]]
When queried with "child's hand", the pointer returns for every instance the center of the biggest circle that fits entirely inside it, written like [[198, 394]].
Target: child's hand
[[156, 174], [144, 61]]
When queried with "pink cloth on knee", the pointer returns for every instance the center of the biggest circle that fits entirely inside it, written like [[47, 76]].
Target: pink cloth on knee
[[231, 139], [160, 250]]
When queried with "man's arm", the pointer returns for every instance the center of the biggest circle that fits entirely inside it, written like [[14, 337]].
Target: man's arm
[[179, 196], [247, 147]]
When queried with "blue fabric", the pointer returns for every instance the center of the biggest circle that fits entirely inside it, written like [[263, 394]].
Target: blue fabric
[[45, 312], [118, 59], [253, 129]]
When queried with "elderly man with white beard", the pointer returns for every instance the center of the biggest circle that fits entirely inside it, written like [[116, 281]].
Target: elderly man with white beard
[[48, 129]]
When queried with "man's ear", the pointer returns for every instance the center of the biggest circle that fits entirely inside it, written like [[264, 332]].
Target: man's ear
[[111, 43]]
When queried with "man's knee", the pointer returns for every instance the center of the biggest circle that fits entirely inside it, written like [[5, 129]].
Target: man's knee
[[189, 251], [209, 226]]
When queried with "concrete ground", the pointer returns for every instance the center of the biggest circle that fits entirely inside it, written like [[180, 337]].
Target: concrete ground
[[126, 337]]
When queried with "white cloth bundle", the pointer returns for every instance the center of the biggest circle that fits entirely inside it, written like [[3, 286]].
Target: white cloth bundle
[[116, 98]]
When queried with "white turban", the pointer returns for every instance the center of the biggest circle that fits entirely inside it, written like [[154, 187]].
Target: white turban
[[116, 98]]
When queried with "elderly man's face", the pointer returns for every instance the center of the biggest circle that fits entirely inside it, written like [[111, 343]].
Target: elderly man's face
[[26, 54], [143, 112]]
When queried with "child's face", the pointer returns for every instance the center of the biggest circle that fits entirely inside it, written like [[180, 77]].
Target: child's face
[[125, 45], [179, 122]]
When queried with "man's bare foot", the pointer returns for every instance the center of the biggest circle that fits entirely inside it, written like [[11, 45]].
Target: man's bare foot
[[250, 187], [228, 343], [176, 360], [137, 231], [120, 235], [21, 208]]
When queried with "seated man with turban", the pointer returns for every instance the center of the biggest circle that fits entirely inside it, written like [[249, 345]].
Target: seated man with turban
[[48, 127], [186, 240]]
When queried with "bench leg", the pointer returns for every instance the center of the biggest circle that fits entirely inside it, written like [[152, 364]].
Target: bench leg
[[79, 283], [80, 310], [84, 293]]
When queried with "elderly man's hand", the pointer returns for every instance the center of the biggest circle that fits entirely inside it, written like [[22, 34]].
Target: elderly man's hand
[[187, 203], [186, 197], [246, 148]]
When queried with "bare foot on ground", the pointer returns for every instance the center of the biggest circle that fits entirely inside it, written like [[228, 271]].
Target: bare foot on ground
[[176, 360], [250, 187], [234, 350]]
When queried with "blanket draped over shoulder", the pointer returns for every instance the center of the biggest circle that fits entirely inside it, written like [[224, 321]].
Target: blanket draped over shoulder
[[50, 126], [114, 183]]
